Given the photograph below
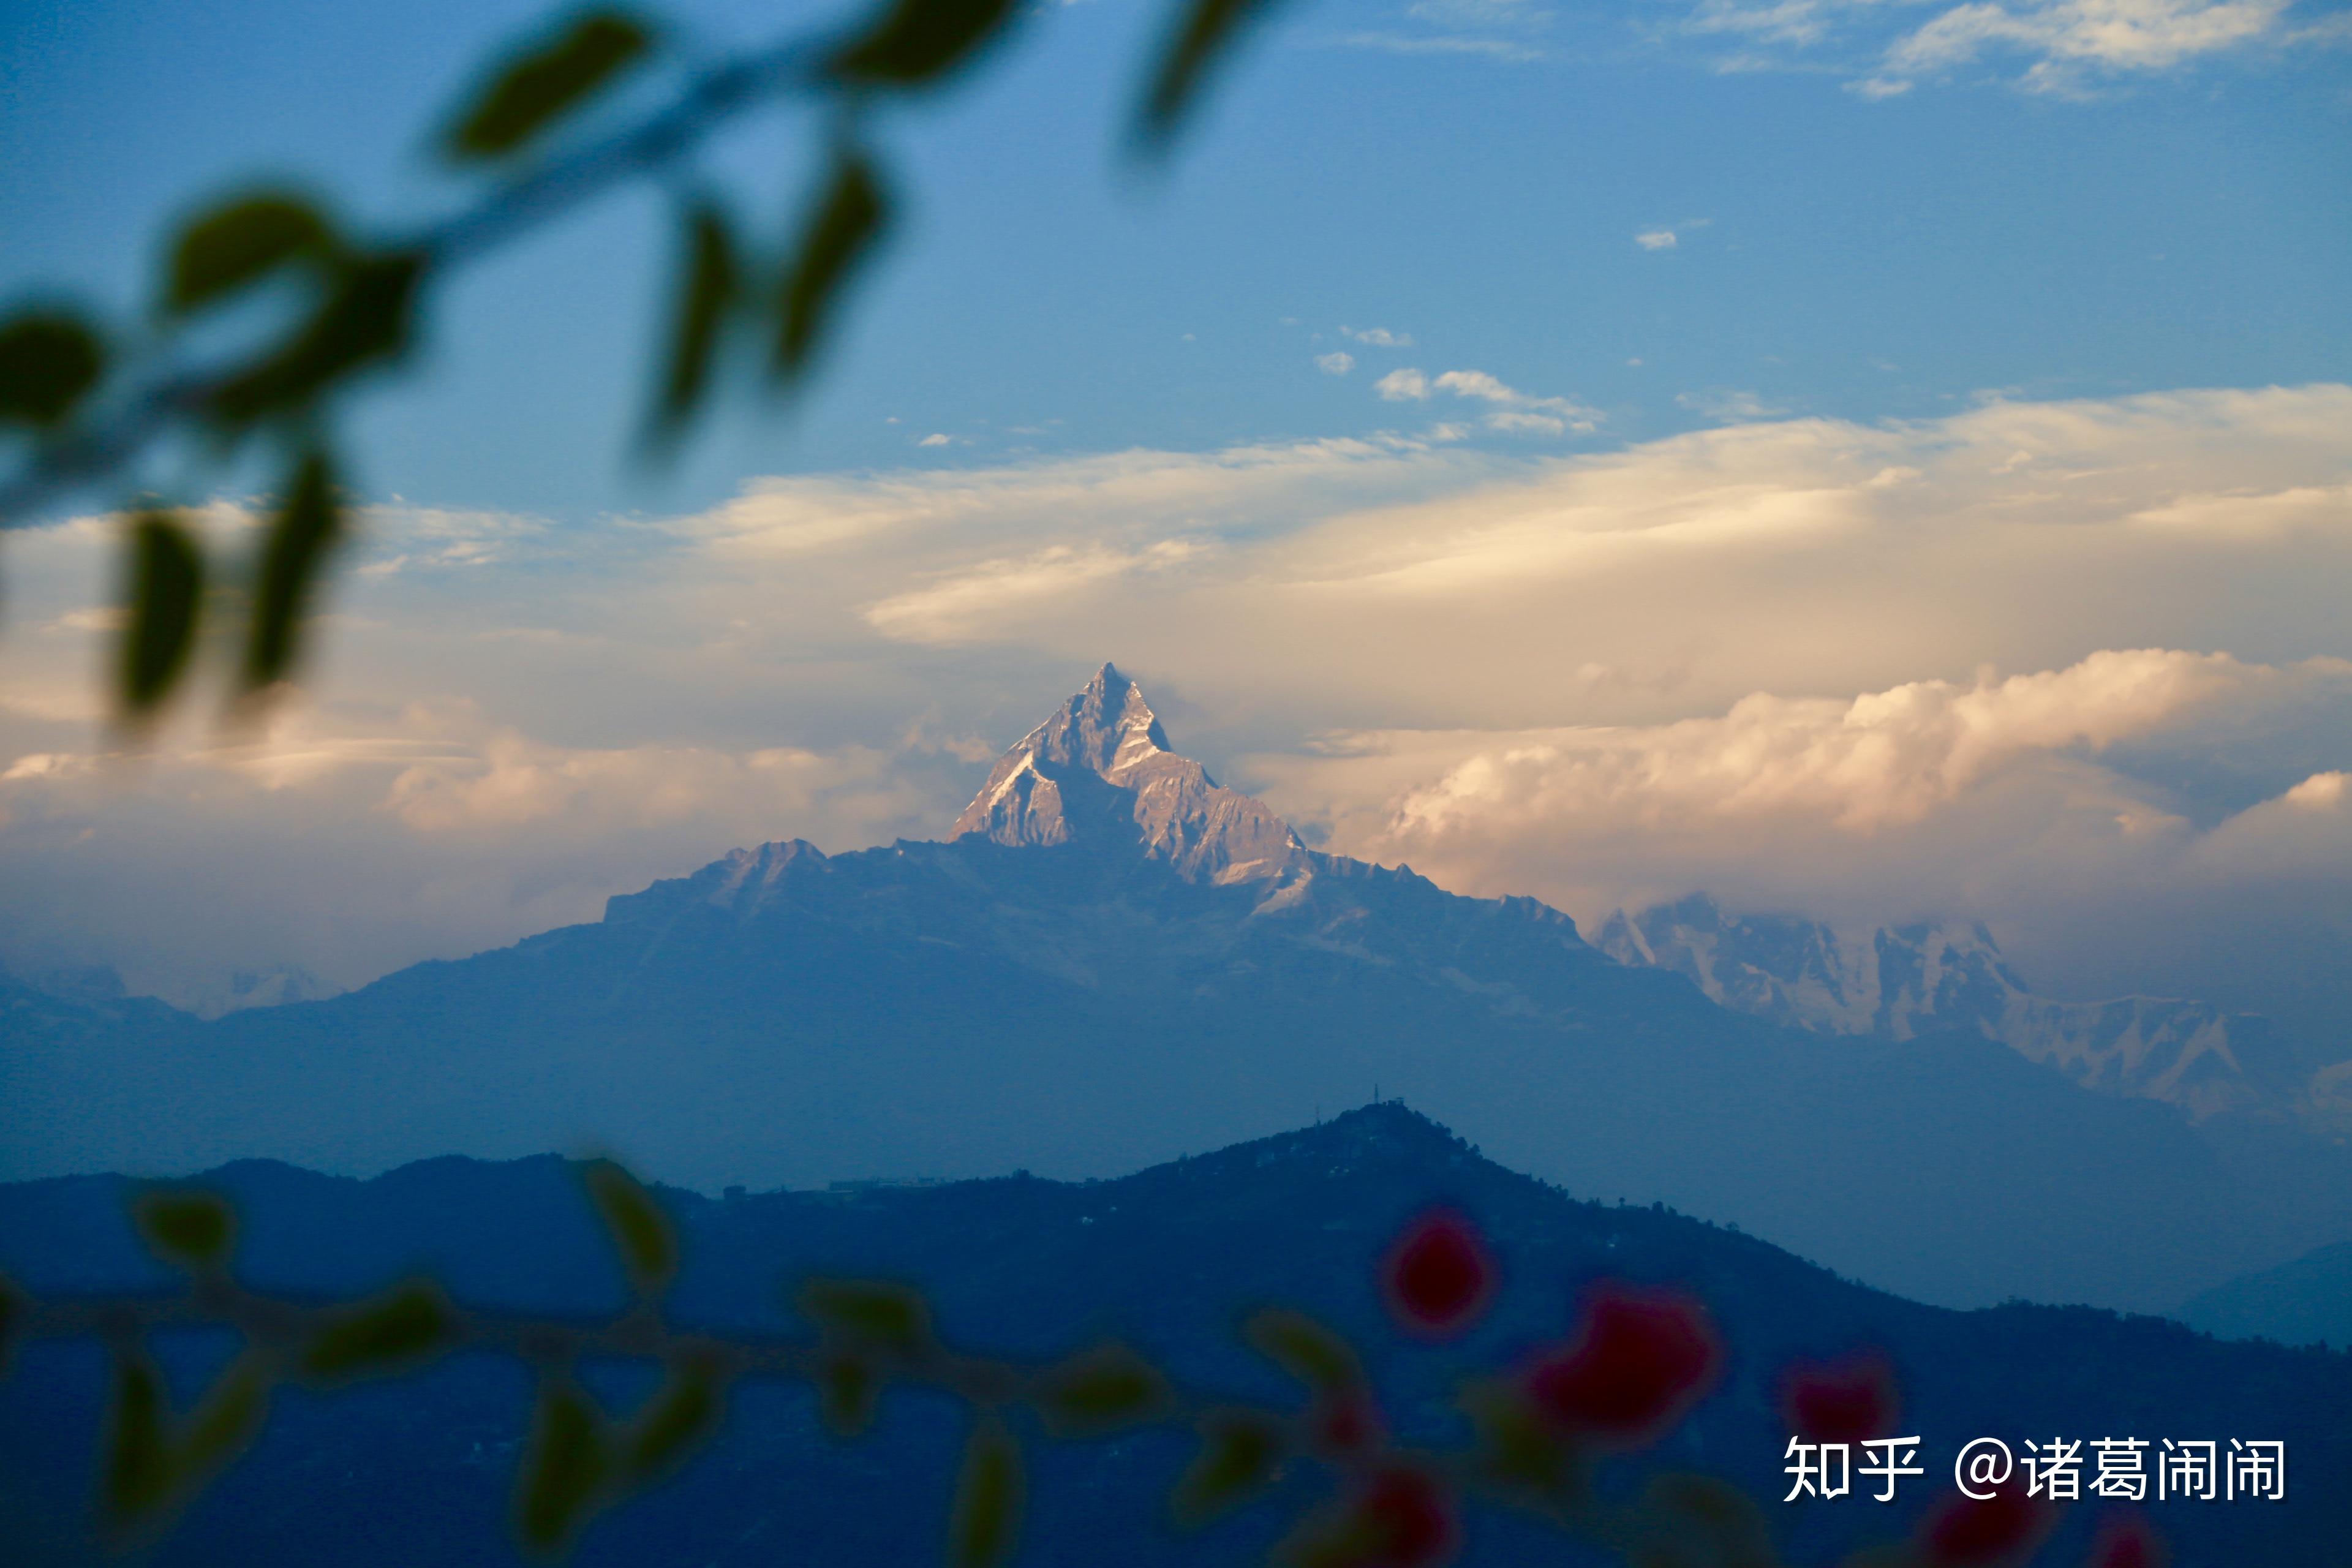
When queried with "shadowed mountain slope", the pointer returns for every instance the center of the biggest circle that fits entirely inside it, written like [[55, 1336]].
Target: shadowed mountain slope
[[1137, 964]]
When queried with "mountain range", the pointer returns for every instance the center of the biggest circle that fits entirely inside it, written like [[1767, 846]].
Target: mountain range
[[1115, 960], [417, 1468], [1898, 983]]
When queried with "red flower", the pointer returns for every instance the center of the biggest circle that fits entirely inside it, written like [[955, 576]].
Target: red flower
[[1438, 1277], [1842, 1401], [1406, 1519], [2128, 1540], [1345, 1422], [1639, 1361], [1961, 1531]]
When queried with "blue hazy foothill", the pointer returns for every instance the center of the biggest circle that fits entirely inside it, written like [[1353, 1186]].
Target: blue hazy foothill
[[2305, 1301], [419, 1469], [1115, 961]]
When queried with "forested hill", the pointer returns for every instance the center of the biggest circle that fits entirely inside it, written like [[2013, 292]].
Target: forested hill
[[419, 1469]]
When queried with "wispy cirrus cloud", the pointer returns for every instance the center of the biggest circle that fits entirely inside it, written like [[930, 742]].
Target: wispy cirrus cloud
[[1728, 403], [2060, 46], [2069, 40], [1512, 411], [1503, 30]]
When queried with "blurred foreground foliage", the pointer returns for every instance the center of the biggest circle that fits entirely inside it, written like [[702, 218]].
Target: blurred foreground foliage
[[1634, 1365], [85, 403]]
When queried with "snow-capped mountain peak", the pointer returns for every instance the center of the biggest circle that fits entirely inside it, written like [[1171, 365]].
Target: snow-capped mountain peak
[[1900, 983], [1100, 770]]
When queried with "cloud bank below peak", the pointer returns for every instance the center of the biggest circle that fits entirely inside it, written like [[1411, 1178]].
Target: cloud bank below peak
[[2045, 804]]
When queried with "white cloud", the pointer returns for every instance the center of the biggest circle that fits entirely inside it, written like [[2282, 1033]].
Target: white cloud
[[1434, 601], [936, 439], [464, 833], [974, 599], [1781, 21], [1476, 384], [1335, 363], [2066, 45], [1377, 337], [1879, 761], [1655, 239], [2009, 800], [1515, 412], [2069, 35], [1727, 405], [1509, 50], [1474, 12], [1498, 29]]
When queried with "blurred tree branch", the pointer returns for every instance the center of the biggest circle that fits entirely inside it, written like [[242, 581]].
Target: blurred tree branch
[[88, 412], [1638, 1361]]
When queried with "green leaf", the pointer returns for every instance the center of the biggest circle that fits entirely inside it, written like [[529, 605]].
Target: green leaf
[[647, 1244], [404, 1327], [228, 1418], [708, 286], [680, 1418], [194, 1230], [49, 359], [840, 235], [166, 589], [239, 243], [565, 1470], [987, 1517], [364, 321], [1239, 1452], [1209, 30], [918, 41], [304, 531], [871, 1312], [1305, 1348], [1100, 1391], [535, 86], [1518, 1449], [848, 1389], [1718, 1521], [138, 1477]]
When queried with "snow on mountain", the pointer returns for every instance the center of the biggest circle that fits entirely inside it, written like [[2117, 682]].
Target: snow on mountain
[[1102, 764], [272, 986], [1897, 983]]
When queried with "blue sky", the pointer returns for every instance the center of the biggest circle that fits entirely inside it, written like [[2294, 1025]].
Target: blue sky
[[1834, 253], [1881, 460]]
